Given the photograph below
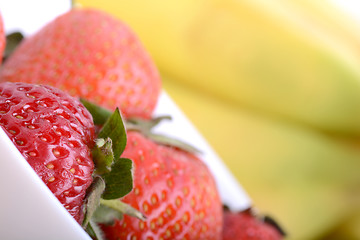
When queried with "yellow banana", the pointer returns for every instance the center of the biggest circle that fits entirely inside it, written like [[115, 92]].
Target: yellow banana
[[297, 175], [254, 53], [327, 16]]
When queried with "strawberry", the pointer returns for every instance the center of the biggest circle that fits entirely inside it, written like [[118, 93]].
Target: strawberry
[[173, 189], [89, 54], [245, 225], [54, 133]]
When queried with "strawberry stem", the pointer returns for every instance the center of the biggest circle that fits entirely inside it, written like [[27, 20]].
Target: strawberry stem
[[95, 231], [103, 156], [92, 199]]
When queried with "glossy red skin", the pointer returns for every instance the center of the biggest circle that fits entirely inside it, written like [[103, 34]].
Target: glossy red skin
[[93, 55], [53, 132], [245, 226], [2, 38], [175, 191]]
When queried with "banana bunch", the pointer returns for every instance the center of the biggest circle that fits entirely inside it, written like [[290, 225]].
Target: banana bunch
[[274, 86], [258, 54]]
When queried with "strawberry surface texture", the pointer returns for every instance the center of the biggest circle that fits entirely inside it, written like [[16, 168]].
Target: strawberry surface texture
[[54, 132], [174, 190], [90, 54], [246, 226]]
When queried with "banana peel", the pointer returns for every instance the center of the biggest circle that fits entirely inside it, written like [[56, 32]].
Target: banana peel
[[327, 16], [350, 229], [307, 181], [256, 54]]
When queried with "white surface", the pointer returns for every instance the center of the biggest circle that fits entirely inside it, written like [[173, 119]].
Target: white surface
[[29, 16], [28, 209], [180, 127]]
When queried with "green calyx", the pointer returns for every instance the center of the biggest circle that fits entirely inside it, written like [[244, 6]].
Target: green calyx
[[113, 174], [112, 177], [116, 171]]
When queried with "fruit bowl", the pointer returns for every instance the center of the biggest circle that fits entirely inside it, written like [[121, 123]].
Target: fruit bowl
[[30, 206]]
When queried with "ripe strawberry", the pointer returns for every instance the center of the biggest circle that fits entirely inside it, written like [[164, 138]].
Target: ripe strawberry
[[174, 190], [246, 226], [54, 133], [93, 55]]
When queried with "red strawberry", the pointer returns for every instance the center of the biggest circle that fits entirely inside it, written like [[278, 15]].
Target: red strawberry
[[53, 132], [92, 55], [174, 190], [2, 38], [246, 226]]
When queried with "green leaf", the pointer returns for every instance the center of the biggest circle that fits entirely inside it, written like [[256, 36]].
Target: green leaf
[[92, 199], [119, 181], [103, 155], [100, 115], [123, 208], [114, 129], [106, 215], [12, 41]]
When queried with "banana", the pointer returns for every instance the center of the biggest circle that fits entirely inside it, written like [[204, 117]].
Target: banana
[[262, 80], [257, 54], [302, 178], [350, 229], [329, 17]]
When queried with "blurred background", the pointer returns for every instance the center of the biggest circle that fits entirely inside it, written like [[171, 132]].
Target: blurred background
[[274, 86]]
